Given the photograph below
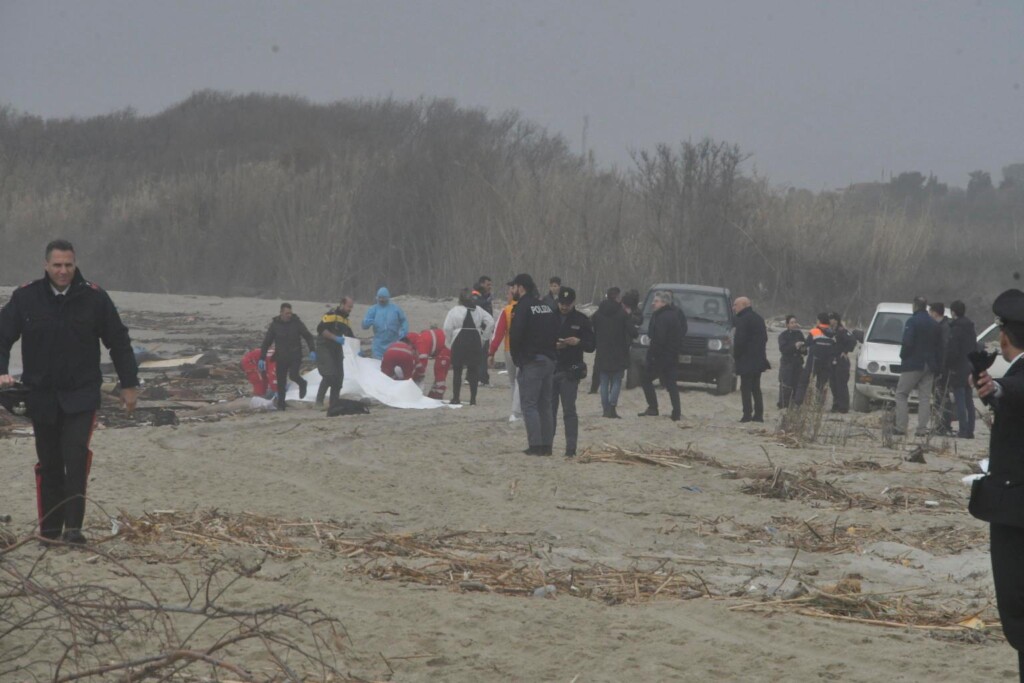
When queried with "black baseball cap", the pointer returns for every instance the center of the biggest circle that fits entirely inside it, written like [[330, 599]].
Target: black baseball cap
[[566, 295], [1009, 307]]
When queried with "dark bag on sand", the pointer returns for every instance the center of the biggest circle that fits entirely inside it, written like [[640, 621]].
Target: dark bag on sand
[[997, 502], [346, 406]]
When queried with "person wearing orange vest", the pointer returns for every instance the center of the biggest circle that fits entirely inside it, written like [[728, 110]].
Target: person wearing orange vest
[[821, 351], [430, 344], [501, 328]]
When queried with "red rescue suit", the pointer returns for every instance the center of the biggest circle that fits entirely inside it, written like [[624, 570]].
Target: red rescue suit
[[399, 361], [263, 383], [430, 344]]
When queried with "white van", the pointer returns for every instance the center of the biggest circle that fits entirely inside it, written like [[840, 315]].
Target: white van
[[878, 362]]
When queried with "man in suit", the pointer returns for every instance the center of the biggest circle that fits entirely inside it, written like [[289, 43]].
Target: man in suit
[[749, 347], [1006, 462]]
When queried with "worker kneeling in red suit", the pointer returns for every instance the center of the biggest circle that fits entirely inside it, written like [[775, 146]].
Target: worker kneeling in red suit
[[430, 344], [399, 360]]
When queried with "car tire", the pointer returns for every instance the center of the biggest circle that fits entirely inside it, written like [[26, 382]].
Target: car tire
[[726, 382], [861, 403]]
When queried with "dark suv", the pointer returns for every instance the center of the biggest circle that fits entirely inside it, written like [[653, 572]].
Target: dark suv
[[707, 348]]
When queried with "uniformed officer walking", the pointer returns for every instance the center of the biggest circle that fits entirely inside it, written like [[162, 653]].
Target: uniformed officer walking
[[1006, 464], [61, 320], [533, 336], [575, 336]]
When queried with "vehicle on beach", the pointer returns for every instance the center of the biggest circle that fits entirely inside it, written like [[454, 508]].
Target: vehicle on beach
[[878, 362], [706, 356]]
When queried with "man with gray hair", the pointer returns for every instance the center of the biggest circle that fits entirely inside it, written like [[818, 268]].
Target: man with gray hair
[[665, 331], [919, 356]]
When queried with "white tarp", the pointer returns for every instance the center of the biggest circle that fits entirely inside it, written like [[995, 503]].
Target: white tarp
[[363, 379]]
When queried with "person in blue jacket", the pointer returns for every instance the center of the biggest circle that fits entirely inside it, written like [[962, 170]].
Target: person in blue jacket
[[388, 322]]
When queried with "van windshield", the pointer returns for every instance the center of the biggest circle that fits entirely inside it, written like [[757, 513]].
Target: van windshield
[[696, 305], [888, 328]]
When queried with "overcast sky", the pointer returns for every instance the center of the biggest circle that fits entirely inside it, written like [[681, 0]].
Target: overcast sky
[[821, 93]]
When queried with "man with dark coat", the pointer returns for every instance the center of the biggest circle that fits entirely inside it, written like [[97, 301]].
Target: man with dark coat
[[533, 337], [614, 330], [1006, 462], [61, 320], [665, 331], [286, 333], [962, 341], [839, 379], [482, 291], [749, 349], [792, 350], [821, 352], [941, 389], [575, 337], [919, 356]]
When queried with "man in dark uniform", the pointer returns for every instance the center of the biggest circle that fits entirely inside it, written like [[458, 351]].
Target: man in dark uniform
[[1006, 462], [331, 332], [575, 337], [821, 351], [665, 331], [482, 290], [286, 333], [750, 350], [839, 379], [533, 336], [61, 320]]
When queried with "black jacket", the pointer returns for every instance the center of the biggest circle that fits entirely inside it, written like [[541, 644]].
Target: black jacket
[[287, 339], [614, 330], [60, 345], [576, 324], [1006, 445], [666, 331], [534, 330], [788, 351], [962, 340], [845, 341], [920, 348], [944, 334], [749, 346]]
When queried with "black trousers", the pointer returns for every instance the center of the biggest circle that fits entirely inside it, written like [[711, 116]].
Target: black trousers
[[790, 370], [62, 472], [565, 392], [750, 392], [288, 367], [667, 376], [819, 372], [331, 383], [839, 384], [466, 352], [1007, 550]]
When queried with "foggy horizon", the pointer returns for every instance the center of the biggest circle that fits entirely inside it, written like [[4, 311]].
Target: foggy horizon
[[818, 96]]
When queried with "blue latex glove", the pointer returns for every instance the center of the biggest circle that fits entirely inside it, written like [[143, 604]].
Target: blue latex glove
[[340, 340], [312, 356], [262, 365]]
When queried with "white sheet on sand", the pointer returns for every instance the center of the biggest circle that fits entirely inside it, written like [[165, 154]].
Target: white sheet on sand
[[363, 379]]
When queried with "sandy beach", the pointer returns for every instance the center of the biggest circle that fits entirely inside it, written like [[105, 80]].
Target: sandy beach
[[749, 526]]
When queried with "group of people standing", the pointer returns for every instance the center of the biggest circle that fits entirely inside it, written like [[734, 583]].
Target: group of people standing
[[934, 362], [821, 357]]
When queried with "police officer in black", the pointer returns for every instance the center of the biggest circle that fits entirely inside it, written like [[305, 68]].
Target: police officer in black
[[286, 333], [839, 380], [1006, 463], [575, 337], [331, 332], [533, 337], [791, 364], [61, 320]]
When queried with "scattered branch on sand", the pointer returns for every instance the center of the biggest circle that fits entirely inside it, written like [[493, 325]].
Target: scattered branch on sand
[[644, 455], [834, 537], [57, 628], [845, 602], [505, 562], [806, 485]]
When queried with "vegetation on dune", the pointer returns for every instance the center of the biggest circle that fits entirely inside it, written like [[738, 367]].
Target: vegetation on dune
[[275, 196]]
